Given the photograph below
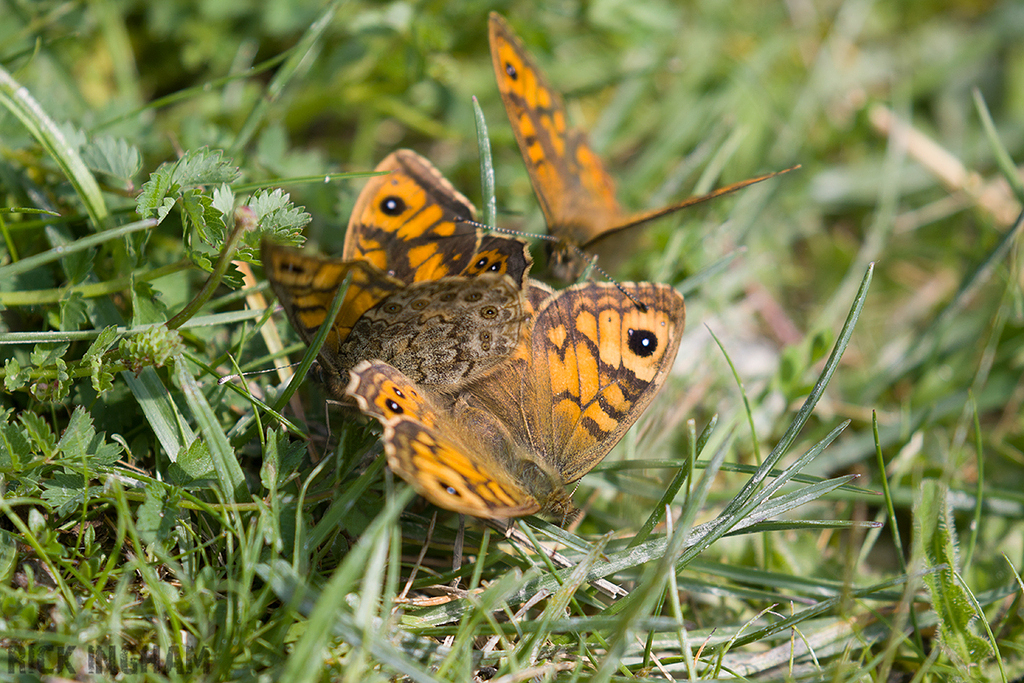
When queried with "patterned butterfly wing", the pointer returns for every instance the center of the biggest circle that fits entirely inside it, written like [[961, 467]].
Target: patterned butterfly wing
[[306, 285], [602, 360], [590, 368], [575, 191], [407, 223], [503, 255], [442, 461], [445, 332]]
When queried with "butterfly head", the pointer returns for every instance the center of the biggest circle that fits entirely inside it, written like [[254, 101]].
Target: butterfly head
[[566, 263]]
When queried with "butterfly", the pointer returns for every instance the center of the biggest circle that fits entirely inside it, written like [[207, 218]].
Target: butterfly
[[575, 192], [428, 292], [509, 445]]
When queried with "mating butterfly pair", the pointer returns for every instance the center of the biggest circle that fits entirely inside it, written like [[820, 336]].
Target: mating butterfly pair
[[494, 392]]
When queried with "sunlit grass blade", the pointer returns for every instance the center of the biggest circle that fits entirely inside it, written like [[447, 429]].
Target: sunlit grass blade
[[17, 100]]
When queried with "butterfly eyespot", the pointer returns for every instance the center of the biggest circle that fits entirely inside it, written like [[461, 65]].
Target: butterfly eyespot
[[419, 304], [642, 343], [450, 490], [447, 296], [485, 336], [489, 312], [474, 296], [392, 206], [393, 406], [511, 71], [495, 267], [392, 307], [293, 268], [482, 263]]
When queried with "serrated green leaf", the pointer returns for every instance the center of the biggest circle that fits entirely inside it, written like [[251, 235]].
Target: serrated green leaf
[[195, 461], [224, 199], [15, 377], [233, 277], [112, 156], [103, 452], [166, 204], [64, 491], [53, 390], [204, 167], [74, 442], [73, 135], [199, 259], [15, 449], [154, 200], [102, 379], [104, 342], [73, 312], [39, 431], [276, 217], [201, 215], [47, 355], [146, 305]]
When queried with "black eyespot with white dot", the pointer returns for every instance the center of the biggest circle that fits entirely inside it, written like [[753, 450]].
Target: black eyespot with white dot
[[489, 312], [393, 406], [511, 71], [392, 205], [642, 343]]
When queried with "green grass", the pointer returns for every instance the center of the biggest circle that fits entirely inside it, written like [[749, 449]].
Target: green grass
[[156, 519]]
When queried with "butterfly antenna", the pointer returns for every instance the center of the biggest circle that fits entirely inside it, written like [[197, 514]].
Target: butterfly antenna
[[591, 260], [504, 231], [221, 381], [647, 216]]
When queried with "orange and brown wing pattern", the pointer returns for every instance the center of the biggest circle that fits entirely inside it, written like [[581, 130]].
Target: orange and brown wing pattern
[[503, 255], [601, 360], [442, 462], [586, 371], [306, 286], [407, 223], [575, 191]]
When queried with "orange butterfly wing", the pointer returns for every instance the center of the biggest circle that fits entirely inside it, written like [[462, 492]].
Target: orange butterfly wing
[[409, 224], [575, 191], [590, 368], [440, 457], [406, 223]]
